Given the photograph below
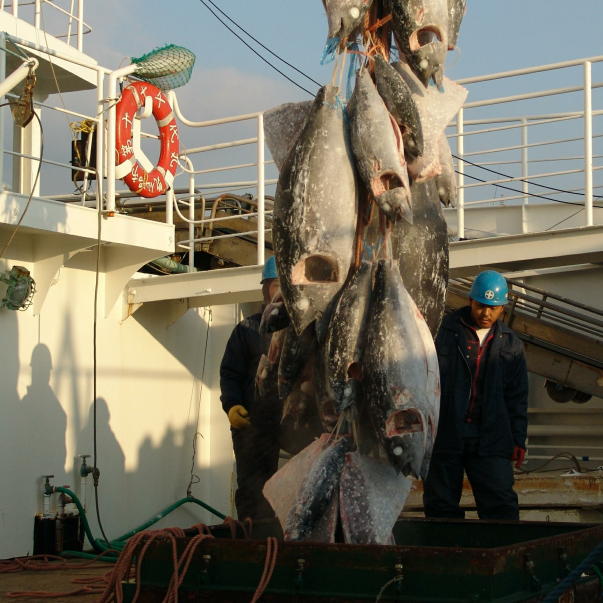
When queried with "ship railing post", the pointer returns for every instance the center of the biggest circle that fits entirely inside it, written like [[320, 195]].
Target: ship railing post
[[260, 190], [460, 149], [111, 113], [36, 13], [100, 139], [15, 8], [588, 142], [80, 25], [191, 214], [524, 174]]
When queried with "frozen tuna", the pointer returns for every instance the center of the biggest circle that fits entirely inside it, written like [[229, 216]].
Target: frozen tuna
[[398, 99], [345, 17], [295, 354], [400, 375], [344, 337], [379, 150], [315, 213], [371, 497], [421, 250], [319, 487], [421, 31]]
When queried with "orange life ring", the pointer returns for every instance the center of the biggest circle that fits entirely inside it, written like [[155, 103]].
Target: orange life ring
[[127, 167]]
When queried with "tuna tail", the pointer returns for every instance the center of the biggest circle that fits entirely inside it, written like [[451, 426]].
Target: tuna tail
[[315, 495]]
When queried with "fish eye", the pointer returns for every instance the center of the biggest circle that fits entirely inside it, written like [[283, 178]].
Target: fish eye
[[354, 12]]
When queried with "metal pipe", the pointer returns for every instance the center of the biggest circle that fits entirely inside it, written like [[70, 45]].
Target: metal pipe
[[529, 70], [588, 142], [524, 173], [202, 124], [112, 99], [460, 147], [191, 215], [80, 25], [70, 23], [527, 96], [36, 14], [18, 75], [219, 145], [260, 191], [170, 203], [101, 161]]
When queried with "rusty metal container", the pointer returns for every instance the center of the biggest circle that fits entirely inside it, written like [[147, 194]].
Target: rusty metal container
[[433, 561]]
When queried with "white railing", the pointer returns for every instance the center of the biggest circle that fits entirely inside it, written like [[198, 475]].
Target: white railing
[[495, 153], [499, 139], [66, 16]]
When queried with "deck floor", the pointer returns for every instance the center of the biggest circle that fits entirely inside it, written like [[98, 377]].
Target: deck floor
[[55, 581]]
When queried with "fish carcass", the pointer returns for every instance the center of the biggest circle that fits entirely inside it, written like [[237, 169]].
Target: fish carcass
[[345, 17], [379, 149], [398, 98], [400, 375], [421, 31], [343, 345], [315, 213]]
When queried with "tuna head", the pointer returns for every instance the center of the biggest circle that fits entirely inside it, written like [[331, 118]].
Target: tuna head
[[315, 213], [398, 98], [400, 374], [345, 17], [421, 31], [379, 149]]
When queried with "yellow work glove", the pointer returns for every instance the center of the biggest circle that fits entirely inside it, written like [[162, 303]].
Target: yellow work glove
[[239, 417]]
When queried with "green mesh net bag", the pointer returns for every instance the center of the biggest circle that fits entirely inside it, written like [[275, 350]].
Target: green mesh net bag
[[167, 67]]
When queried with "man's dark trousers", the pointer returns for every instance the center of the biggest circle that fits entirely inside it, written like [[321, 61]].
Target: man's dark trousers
[[491, 479], [256, 453]]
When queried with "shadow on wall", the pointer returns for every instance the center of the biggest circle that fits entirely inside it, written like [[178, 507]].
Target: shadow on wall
[[44, 423]]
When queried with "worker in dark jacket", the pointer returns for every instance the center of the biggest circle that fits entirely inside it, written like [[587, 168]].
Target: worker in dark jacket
[[483, 410], [255, 444]]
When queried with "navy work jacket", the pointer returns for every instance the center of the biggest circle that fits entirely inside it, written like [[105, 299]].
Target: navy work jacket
[[240, 362], [504, 399]]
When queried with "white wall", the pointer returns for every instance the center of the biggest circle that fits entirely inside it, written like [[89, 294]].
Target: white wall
[[153, 395]]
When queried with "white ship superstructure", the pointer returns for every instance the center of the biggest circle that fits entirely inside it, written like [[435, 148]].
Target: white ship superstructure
[[144, 348]]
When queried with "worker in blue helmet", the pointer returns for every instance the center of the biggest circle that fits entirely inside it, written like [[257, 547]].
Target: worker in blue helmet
[[255, 443], [482, 427]]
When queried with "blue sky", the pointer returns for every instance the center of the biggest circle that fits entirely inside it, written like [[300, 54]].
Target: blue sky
[[496, 35]]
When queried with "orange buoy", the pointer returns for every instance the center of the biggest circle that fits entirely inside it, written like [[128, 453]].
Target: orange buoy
[[160, 178]]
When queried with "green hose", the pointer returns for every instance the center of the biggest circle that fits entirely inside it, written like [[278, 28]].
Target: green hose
[[92, 557], [169, 265], [100, 546], [165, 512]]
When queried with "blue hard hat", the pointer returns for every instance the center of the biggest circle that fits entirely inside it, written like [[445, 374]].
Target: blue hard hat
[[490, 288], [269, 270]]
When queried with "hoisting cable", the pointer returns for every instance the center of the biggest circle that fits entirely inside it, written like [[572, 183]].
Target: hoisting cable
[[234, 33], [523, 193], [526, 181], [274, 54]]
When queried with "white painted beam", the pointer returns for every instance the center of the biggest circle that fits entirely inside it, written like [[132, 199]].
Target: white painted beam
[[533, 250], [227, 285]]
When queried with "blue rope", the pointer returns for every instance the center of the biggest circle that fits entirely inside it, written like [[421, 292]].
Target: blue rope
[[329, 52], [575, 574]]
